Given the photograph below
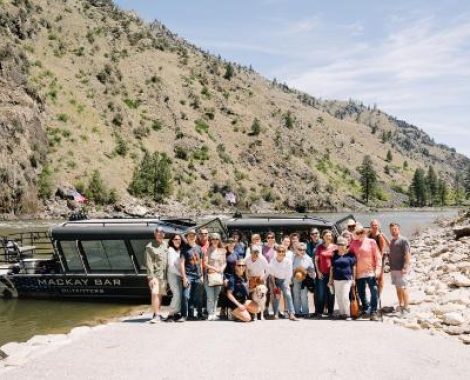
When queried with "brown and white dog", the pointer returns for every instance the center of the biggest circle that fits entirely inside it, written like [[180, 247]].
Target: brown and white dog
[[259, 296]]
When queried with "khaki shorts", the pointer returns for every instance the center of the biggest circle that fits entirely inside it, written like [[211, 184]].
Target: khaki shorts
[[158, 287], [399, 279]]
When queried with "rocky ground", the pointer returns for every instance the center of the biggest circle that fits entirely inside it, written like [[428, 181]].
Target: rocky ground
[[440, 289]]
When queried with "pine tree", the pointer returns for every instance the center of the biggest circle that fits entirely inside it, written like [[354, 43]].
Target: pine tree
[[442, 192], [467, 182], [431, 181], [418, 189], [228, 71], [389, 156], [153, 177], [368, 178], [255, 127], [96, 190]]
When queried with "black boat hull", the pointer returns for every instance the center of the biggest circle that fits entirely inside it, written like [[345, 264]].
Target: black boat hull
[[86, 287]]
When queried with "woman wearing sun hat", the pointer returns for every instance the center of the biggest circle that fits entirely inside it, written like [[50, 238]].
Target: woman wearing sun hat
[[303, 267], [214, 264]]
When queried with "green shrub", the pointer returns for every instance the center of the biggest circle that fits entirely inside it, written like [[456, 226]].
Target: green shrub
[[224, 156], [255, 127], [96, 190], [80, 187], [157, 125], [62, 117], [117, 120], [201, 126], [121, 146], [382, 195], [153, 177], [132, 104], [181, 153], [201, 154], [45, 183], [141, 132]]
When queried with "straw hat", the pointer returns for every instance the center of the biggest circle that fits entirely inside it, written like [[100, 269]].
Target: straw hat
[[300, 273]]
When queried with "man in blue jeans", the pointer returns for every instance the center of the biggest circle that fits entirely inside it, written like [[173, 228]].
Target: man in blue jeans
[[191, 274]]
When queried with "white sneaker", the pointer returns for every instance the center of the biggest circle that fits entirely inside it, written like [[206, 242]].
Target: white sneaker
[[155, 319], [210, 318]]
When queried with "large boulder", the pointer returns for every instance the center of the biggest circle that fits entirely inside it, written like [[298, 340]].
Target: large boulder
[[453, 319], [459, 280]]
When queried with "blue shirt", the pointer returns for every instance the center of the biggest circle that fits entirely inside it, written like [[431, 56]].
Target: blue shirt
[[239, 288], [343, 266], [192, 260], [312, 247], [240, 249]]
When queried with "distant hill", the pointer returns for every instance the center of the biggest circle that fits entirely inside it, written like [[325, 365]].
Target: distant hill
[[85, 86]]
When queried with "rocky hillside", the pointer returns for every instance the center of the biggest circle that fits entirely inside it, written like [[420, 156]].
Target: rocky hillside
[[86, 86]]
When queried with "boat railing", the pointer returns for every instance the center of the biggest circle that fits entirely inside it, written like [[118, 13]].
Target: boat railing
[[19, 245]]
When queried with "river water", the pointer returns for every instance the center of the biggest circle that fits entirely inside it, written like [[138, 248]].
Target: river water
[[21, 319]]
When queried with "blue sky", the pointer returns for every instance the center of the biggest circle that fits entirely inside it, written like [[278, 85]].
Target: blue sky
[[410, 57]]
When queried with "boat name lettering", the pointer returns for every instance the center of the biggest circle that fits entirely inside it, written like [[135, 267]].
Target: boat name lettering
[[79, 282]]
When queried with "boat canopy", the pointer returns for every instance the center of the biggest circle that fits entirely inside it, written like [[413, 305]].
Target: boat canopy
[[111, 229]]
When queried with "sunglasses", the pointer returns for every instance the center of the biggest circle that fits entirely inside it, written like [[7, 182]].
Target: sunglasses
[[270, 237], [241, 265]]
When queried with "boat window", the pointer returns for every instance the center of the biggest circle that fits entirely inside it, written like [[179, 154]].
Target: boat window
[[72, 256], [138, 246], [107, 255]]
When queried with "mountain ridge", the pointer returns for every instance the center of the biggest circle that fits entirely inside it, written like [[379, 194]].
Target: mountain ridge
[[105, 87]]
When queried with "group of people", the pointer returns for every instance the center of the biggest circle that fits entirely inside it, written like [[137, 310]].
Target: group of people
[[246, 280]]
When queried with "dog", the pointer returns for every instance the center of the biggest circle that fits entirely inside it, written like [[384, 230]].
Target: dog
[[259, 296]]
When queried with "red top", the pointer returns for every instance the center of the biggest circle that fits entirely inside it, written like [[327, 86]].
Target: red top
[[324, 257]]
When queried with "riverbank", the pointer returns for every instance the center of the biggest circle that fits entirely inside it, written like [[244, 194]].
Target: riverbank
[[440, 285], [134, 208]]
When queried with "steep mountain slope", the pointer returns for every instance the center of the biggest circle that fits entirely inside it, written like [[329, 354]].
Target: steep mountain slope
[[106, 87]]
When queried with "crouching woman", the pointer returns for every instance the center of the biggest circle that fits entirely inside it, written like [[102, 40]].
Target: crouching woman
[[237, 294]]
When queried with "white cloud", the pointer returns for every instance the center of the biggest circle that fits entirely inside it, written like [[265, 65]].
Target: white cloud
[[415, 70]]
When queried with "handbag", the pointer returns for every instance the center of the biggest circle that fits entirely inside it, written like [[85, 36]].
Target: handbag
[[215, 279], [354, 305]]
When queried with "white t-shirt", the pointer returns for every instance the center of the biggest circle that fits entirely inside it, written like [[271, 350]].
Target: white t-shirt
[[174, 261], [281, 270], [258, 268]]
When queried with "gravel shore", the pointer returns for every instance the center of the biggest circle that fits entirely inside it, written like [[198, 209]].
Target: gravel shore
[[434, 344]]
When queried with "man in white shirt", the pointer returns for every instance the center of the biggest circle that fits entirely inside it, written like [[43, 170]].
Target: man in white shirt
[[256, 268], [280, 271]]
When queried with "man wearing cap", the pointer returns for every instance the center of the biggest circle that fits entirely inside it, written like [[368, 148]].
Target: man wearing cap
[[156, 253], [256, 268], [303, 268], [349, 233], [313, 243], [368, 269], [204, 240], [191, 274]]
